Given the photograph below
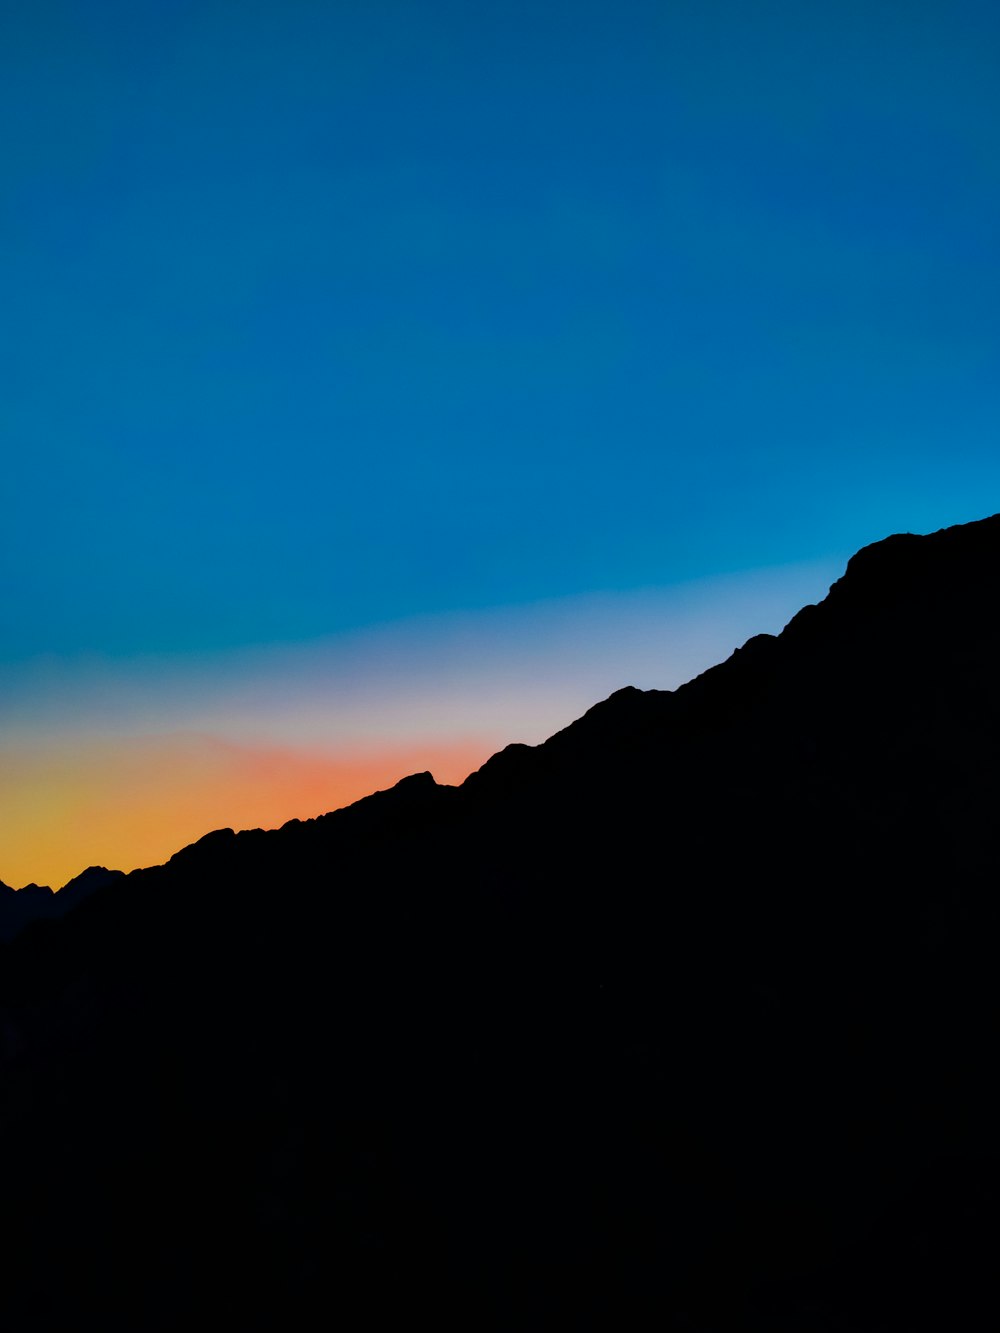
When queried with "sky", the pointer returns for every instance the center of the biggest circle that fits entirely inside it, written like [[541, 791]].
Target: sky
[[384, 382]]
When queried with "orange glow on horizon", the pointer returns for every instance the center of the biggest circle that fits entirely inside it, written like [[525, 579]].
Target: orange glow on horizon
[[136, 802]]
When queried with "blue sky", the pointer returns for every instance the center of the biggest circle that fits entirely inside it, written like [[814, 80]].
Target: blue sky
[[322, 315], [383, 382]]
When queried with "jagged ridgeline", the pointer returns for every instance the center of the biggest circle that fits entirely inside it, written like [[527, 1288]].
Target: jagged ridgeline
[[37, 902], [686, 1019]]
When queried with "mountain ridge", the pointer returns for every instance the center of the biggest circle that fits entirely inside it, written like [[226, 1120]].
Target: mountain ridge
[[681, 1019], [869, 569]]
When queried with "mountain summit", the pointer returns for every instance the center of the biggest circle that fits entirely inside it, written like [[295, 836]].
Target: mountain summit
[[37, 902], [681, 1020]]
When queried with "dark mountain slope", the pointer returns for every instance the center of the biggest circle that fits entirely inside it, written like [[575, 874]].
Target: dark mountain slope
[[37, 902], [683, 1019], [19, 907]]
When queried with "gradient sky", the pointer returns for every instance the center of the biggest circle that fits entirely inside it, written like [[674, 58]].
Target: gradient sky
[[337, 334]]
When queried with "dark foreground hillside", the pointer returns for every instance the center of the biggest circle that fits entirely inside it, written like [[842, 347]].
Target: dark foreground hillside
[[687, 1019]]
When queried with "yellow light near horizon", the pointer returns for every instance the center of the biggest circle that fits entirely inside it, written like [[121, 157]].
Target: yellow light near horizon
[[135, 802]]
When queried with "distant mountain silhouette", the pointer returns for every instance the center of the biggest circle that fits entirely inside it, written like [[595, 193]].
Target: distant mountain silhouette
[[685, 1019], [37, 902], [18, 908]]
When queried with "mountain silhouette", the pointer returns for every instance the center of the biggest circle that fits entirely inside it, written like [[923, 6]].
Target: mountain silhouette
[[684, 1019], [37, 902]]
